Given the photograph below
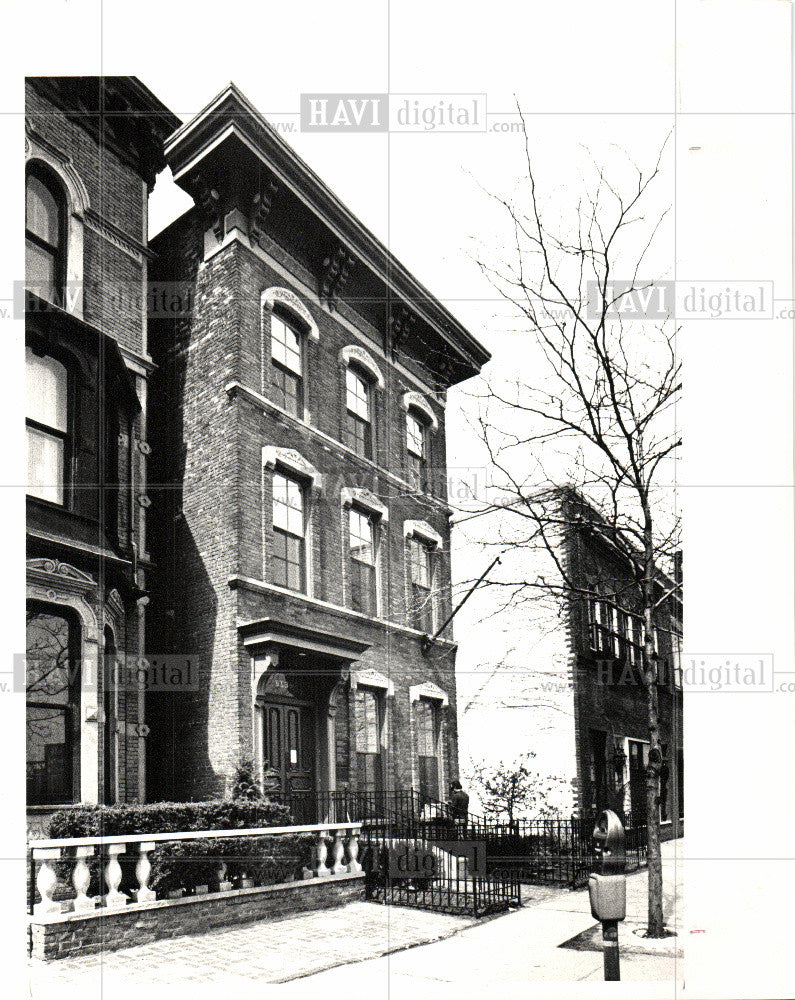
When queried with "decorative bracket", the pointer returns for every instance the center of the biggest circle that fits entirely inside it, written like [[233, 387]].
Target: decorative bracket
[[401, 322], [261, 206], [334, 275]]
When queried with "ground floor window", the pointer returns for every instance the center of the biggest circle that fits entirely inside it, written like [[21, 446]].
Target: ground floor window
[[370, 722], [53, 705], [427, 715]]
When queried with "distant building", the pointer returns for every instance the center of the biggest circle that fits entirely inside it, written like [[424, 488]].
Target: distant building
[[300, 523], [560, 678]]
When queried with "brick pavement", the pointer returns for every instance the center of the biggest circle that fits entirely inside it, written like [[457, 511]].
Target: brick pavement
[[263, 952]]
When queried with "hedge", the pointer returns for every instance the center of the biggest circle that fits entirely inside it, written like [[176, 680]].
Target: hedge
[[186, 864]]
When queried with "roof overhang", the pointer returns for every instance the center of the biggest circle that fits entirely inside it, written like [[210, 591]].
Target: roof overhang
[[230, 142]]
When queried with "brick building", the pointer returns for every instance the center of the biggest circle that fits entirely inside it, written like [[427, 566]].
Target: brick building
[[560, 676], [299, 520], [92, 151]]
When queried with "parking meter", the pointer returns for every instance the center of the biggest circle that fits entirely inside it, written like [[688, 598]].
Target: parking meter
[[608, 889]]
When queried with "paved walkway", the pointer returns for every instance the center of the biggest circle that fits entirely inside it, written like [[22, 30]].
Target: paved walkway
[[361, 949]]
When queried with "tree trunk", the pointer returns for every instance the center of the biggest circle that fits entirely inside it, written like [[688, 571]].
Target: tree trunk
[[653, 856]]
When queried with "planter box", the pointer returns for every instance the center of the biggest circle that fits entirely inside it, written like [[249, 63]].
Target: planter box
[[201, 890], [176, 894]]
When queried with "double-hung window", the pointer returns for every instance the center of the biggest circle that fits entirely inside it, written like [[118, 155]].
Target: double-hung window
[[45, 224], [364, 592], [288, 560], [287, 365], [421, 562], [47, 402], [417, 450], [358, 415], [427, 716]]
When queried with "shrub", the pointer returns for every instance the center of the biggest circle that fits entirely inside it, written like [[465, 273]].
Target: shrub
[[186, 864]]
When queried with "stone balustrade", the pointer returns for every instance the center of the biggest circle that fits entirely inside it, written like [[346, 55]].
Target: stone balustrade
[[335, 852]]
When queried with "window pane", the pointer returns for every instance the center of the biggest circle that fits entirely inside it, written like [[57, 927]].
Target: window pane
[[46, 390], [41, 211], [52, 690], [357, 394], [358, 435], [369, 741], [288, 505], [39, 270], [45, 466], [286, 389], [361, 538], [415, 436], [286, 345], [420, 563]]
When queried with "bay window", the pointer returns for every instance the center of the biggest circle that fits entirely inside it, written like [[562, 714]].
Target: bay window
[[47, 421]]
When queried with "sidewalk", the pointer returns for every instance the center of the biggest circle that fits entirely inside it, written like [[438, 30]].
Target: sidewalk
[[369, 949]]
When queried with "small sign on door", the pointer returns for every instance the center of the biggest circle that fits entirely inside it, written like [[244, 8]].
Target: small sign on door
[[293, 756]]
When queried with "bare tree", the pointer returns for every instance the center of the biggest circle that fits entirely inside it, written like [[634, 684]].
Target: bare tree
[[512, 787], [595, 414]]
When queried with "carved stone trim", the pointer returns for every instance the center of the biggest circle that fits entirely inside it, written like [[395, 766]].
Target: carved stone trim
[[421, 529], [115, 604], [122, 242], [294, 461], [288, 299], [415, 400], [428, 690], [52, 572], [372, 678], [38, 148], [358, 355], [364, 498]]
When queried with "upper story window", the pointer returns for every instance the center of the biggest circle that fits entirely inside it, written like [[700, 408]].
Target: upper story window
[[287, 365], [288, 560], [421, 562], [362, 535], [47, 403], [45, 233], [417, 449], [358, 417]]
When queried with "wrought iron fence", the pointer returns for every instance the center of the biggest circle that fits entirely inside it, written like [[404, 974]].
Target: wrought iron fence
[[451, 889]]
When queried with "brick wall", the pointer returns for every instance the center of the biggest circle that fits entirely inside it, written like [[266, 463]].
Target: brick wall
[[111, 930], [214, 510]]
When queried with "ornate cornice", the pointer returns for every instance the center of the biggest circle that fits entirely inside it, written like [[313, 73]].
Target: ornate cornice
[[350, 495], [358, 355]]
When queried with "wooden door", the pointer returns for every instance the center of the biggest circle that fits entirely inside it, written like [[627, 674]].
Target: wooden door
[[288, 745]]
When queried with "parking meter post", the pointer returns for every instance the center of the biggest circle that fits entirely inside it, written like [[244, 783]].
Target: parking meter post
[[608, 890]]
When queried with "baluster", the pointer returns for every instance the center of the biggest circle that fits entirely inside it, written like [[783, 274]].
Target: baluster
[[321, 853], [46, 880], [353, 852], [337, 850], [224, 885], [114, 898], [143, 894], [81, 879]]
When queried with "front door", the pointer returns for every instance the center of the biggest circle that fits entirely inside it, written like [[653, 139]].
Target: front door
[[288, 745]]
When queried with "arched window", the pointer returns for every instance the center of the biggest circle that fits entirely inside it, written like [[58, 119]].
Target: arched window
[[45, 233], [53, 700], [47, 420]]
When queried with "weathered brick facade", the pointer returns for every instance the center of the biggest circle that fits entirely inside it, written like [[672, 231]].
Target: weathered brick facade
[[256, 247]]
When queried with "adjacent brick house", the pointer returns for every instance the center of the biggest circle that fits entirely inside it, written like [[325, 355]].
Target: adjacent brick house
[[92, 149], [559, 677], [299, 521]]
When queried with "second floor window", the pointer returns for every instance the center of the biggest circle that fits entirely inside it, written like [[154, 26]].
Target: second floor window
[[47, 403], [421, 560], [44, 234], [358, 416], [286, 366], [364, 594], [417, 450], [288, 561]]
